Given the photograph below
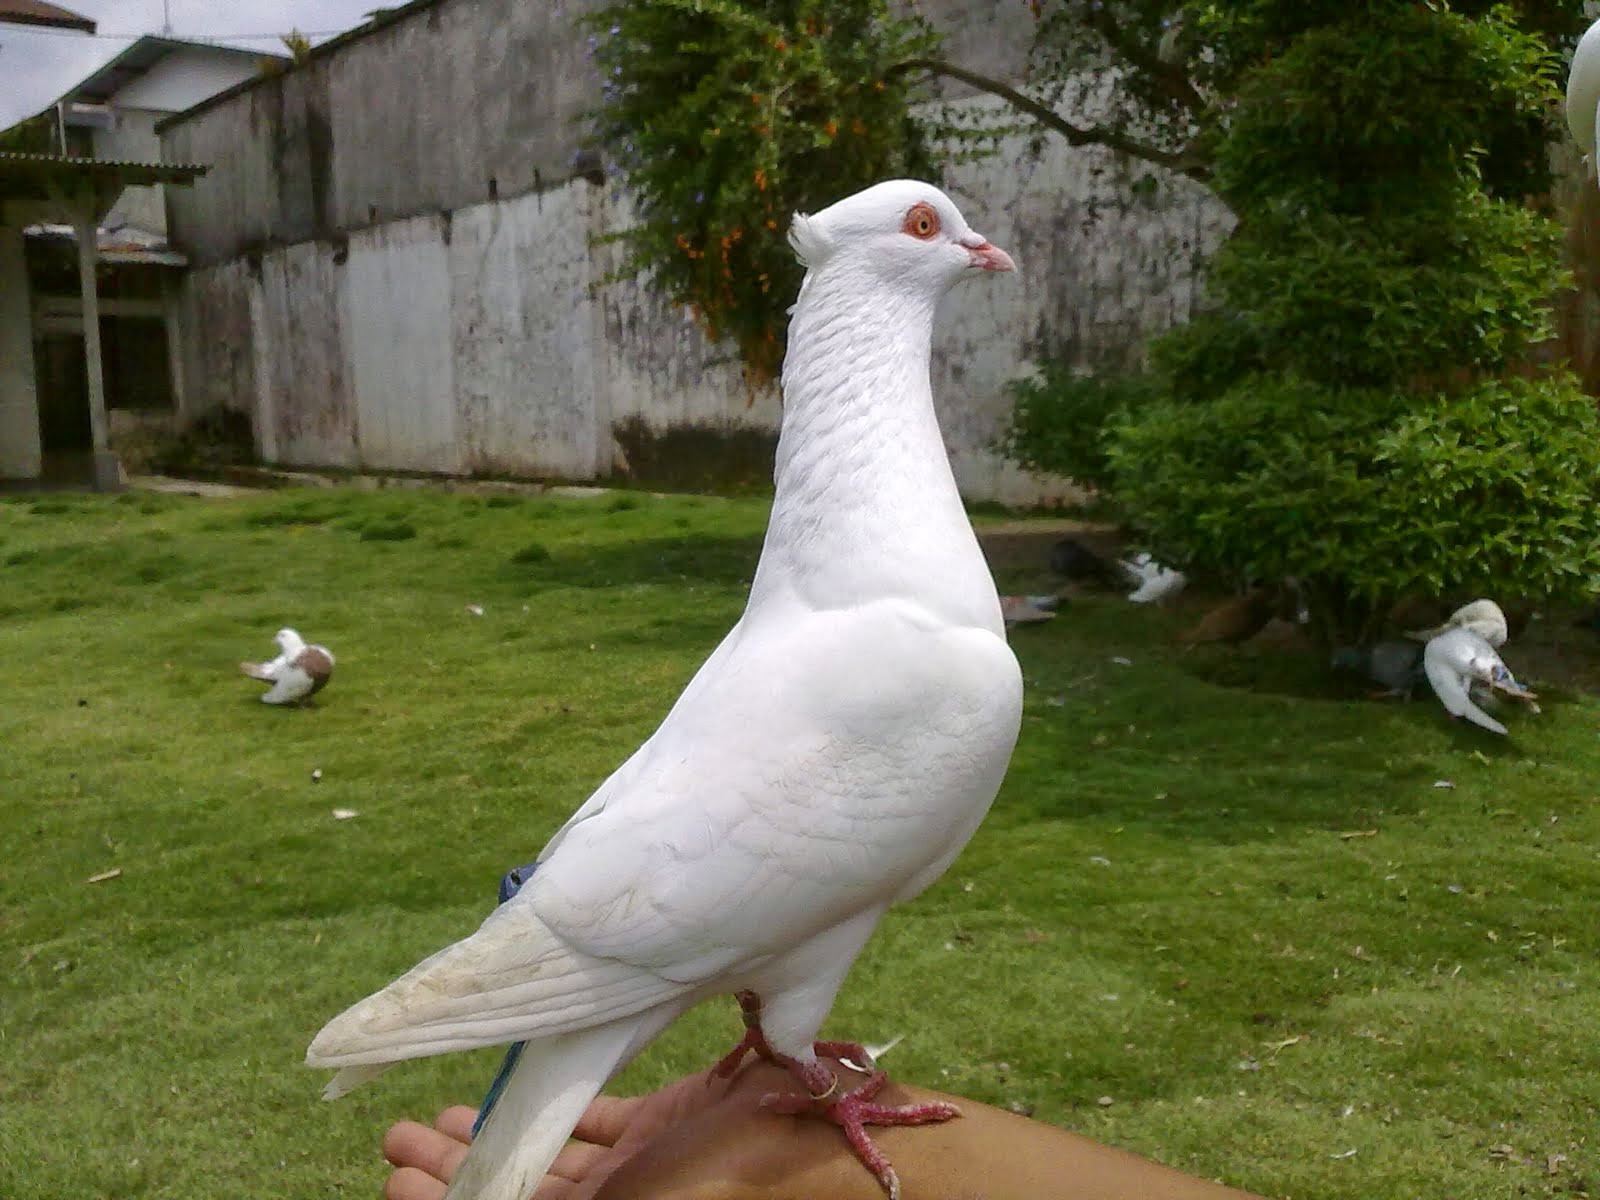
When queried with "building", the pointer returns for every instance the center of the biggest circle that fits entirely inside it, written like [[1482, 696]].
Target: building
[[396, 264], [55, 424], [68, 399], [113, 113]]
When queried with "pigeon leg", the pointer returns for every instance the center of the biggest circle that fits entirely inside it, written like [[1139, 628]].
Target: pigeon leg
[[854, 1111], [754, 1039]]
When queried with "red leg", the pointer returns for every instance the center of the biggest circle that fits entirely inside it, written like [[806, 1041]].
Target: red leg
[[854, 1111], [754, 1039]]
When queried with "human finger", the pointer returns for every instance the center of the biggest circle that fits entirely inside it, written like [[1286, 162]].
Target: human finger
[[409, 1183], [606, 1119], [577, 1160], [456, 1122], [408, 1144]]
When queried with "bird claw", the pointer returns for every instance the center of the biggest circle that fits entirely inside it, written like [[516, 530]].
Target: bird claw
[[854, 1111]]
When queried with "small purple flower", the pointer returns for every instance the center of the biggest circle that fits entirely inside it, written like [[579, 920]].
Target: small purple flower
[[616, 29]]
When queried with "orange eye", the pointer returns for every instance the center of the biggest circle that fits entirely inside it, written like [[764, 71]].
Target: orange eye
[[921, 222]]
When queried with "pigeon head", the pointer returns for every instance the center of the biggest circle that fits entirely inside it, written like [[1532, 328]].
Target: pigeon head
[[901, 230]]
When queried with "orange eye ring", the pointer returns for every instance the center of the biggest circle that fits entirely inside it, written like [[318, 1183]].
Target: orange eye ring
[[921, 222]]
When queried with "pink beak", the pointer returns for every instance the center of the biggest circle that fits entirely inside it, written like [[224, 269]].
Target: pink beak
[[990, 258]]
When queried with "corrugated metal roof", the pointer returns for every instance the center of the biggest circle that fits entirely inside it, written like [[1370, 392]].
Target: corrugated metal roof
[[128, 244], [37, 12], [37, 165]]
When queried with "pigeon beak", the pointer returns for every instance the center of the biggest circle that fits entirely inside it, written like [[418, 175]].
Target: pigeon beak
[[986, 257]]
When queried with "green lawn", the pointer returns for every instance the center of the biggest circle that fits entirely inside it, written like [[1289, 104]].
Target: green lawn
[[1160, 913]]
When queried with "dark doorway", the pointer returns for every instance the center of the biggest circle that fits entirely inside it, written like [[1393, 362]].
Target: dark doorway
[[63, 385]]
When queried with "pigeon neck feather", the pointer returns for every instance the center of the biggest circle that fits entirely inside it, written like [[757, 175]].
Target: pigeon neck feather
[[866, 507]]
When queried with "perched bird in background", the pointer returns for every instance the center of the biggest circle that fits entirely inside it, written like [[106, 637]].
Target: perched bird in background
[[300, 671], [1395, 665], [1028, 610], [1071, 558], [830, 759], [1236, 620], [1482, 617], [1460, 659], [1153, 582]]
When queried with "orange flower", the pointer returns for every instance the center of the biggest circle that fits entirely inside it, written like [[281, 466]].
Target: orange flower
[[831, 128], [761, 179]]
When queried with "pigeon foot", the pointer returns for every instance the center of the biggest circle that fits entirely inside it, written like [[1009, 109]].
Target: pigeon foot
[[854, 1111], [753, 1040]]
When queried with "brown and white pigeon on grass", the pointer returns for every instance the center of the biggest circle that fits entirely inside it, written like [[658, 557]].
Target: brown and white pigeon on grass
[[830, 759], [299, 672]]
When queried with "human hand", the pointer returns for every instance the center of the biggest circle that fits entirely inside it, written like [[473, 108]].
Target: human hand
[[610, 1132], [703, 1137]]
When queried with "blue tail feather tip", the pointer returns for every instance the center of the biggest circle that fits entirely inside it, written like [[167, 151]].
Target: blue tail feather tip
[[510, 884]]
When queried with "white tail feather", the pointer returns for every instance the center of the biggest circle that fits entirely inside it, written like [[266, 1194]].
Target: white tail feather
[[350, 1078], [551, 1085]]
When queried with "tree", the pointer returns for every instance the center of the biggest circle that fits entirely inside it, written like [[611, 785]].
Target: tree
[[1361, 408], [729, 115], [1356, 407]]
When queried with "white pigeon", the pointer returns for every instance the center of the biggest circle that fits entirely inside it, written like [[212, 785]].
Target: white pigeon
[[830, 758], [1028, 610], [1153, 582], [1482, 617], [1583, 94], [299, 672], [1457, 660]]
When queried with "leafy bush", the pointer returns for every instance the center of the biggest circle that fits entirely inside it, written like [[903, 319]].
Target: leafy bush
[[1059, 418], [1365, 495], [1356, 411]]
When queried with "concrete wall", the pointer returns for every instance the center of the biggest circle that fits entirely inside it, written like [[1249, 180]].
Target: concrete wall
[[394, 261], [179, 80], [19, 403], [134, 137]]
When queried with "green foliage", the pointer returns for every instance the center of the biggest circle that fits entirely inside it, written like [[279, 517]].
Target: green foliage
[[1059, 416], [1369, 495], [1307, 135], [1407, 295], [728, 117], [1338, 416], [34, 135]]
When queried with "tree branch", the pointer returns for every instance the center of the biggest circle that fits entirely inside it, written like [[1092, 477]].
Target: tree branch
[[1171, 78], [1076, 135]]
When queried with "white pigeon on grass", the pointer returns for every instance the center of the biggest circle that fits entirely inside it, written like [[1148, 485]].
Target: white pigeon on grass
[[1457, 661], [1153, 582], [830, 759], [299, 672]]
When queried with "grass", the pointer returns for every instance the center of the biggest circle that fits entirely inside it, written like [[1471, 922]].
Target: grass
[[1160, 937]]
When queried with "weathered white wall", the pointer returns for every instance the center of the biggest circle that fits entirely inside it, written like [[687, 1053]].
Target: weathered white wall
[[398, 231], [186, 76], [134, 138], [19, 403]]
